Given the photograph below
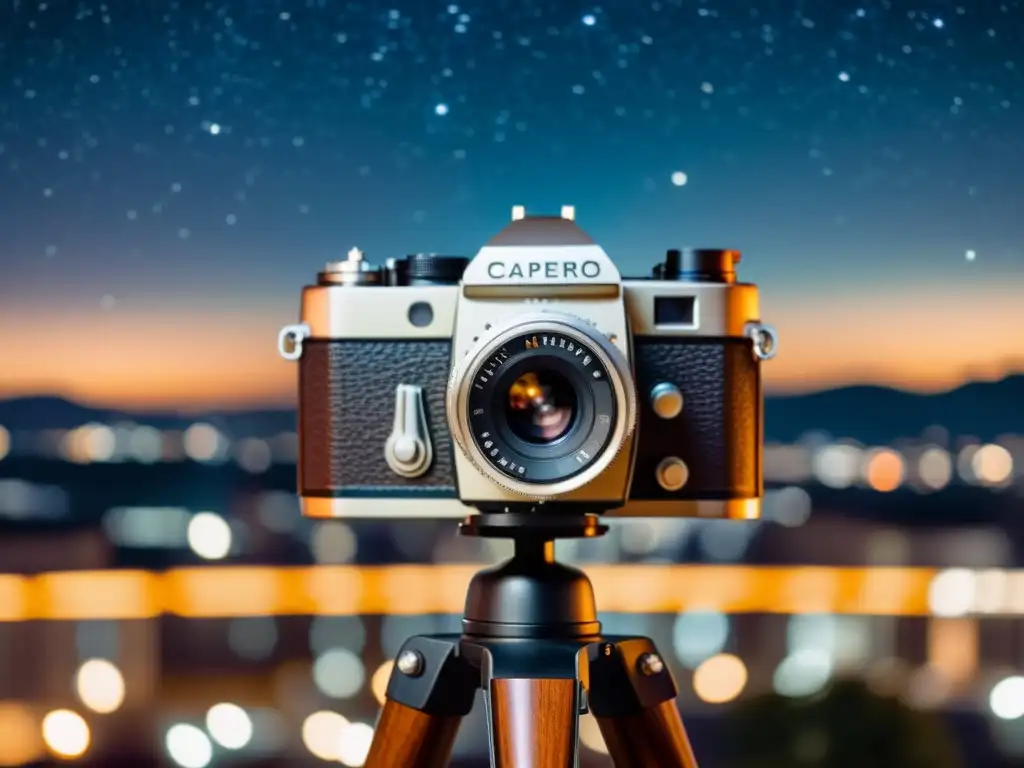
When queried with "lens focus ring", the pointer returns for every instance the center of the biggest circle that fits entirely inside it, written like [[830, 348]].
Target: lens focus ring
[[543, 406]]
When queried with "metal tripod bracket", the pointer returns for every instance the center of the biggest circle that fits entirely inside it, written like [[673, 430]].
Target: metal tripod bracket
[[535, 691]]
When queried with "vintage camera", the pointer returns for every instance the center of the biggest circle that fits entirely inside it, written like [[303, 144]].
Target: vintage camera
[[532, 376]]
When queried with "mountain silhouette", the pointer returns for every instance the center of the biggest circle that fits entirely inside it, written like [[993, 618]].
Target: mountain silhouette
[[49, 412], [868, 414]]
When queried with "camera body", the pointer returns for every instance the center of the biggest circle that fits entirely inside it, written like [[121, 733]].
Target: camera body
[[530, 377]]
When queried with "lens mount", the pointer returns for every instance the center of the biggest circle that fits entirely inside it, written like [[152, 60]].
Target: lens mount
[[543, 405]]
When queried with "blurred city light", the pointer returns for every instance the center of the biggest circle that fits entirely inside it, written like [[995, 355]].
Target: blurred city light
[[148, 527], [66, 733], [278, 511], [209, 536], [379, 681], [992, 464], [20, 739], [590, 734], [322, 733], [803, 673], [354, 744], [699, 635], [928, 688], [145, 445], [1007, 698], [952, 592], [788, 463], [953, 648], [100, 686], [720, 679], [884, 470], [253, 455], [22, 500], [965, 463], [333, 543], [203, 443], [332, 592], [935, 468], [638, 537], [339, 673], [229, 725], [188, 746], [992, 590], [837, 466], [5, 443], [789, 506]]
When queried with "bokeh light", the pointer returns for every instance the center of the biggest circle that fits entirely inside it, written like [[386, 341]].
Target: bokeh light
[[837, 466], [699, 635], [720, 679], [1007, 698], [188, 746], [952, 592], [380, 679], [354, 744], [100, 686], [339, 673], [992, 464], [884, 470], [333, 543], [229, 725], [66, 733], [803, 673], [20, 739], [209, 536], [321, 734], [935, 468], [590, 734], [253, 455], [202, 442]]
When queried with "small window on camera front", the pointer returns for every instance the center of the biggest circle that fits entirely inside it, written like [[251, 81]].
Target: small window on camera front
[[676, 311]]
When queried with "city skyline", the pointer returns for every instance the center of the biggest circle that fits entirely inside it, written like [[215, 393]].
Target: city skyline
[[162, 212]]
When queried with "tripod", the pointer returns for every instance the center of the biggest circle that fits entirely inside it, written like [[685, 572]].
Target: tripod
[[531, 640]]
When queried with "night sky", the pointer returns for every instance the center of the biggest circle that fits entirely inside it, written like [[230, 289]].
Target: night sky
[[172, 173]]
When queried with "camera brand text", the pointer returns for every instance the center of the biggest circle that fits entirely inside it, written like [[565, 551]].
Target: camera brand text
[[499, 270]]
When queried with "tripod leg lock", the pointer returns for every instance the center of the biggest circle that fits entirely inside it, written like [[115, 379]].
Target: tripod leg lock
[[433, 678], [627, 676]]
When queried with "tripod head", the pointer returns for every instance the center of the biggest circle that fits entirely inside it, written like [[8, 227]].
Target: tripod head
[[531, 595], [532, 642]]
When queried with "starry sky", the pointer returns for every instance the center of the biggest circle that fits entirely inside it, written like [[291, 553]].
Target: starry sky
[[172, 172]]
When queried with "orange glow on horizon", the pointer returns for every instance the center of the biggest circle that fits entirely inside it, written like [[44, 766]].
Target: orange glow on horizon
[[165, 359]]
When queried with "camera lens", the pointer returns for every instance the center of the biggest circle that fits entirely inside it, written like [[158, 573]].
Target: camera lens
[[541, 407]]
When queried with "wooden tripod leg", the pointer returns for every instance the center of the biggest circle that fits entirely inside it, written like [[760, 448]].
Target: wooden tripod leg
[[533, 722], [633, 698], [408, 738], [431, 689], [651, 738]]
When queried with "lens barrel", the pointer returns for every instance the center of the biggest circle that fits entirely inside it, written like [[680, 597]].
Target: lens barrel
[[542, 407]]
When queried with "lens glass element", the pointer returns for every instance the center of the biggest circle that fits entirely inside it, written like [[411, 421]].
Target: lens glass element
[[541, 406]]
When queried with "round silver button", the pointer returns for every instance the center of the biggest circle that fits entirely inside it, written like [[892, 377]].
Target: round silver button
[[672, 473], [666, 400]]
